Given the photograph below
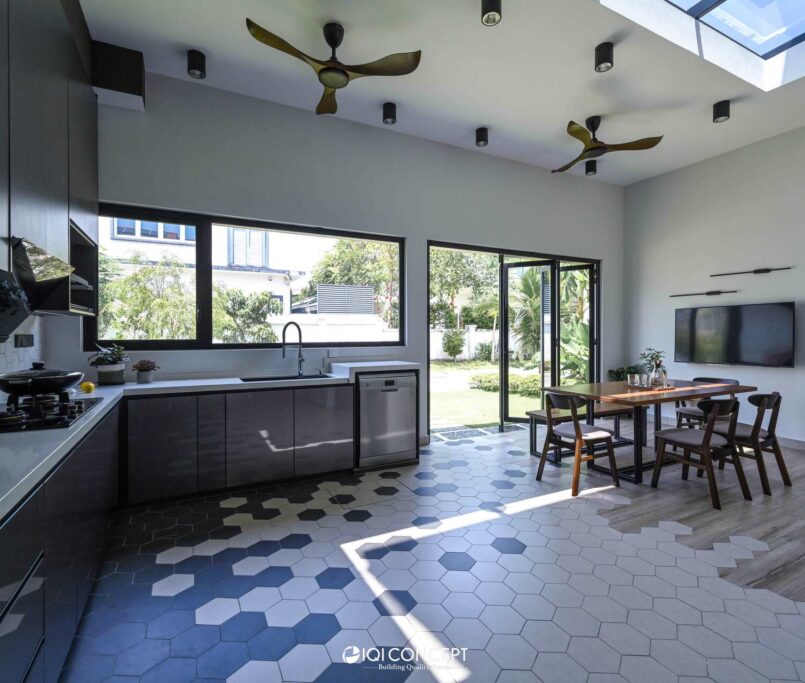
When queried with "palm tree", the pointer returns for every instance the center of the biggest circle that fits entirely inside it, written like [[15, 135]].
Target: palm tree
[[528, 313]]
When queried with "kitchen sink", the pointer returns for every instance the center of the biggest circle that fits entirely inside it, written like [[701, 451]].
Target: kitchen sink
[[283, 378]]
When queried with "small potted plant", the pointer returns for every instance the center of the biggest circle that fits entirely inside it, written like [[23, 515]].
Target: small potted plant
[[145, 370], [658, 375], [110, 362]]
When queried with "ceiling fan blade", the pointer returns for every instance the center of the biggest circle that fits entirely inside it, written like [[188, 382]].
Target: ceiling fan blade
[[398, 64], [327, 103], [580, 133], [644, 143], [272, 40], [580, 157]]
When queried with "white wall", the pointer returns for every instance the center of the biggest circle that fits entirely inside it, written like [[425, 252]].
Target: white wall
[[739, 211], [201, 149]]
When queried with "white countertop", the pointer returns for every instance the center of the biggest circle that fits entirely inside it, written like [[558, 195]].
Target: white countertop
[[27, 457], [349, 370]]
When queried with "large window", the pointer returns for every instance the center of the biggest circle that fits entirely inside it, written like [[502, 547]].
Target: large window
[[180, 281]]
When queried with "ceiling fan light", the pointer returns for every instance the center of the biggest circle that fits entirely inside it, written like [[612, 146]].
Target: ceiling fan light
[[389, 113], [196, 65], [604, 57], [331, 77], [491, 12], [481, 137], [591, 167], [721, 111]]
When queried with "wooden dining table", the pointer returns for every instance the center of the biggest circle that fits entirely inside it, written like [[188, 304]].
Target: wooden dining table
[[640, 399]]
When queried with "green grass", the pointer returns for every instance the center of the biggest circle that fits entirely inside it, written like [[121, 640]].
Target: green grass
[[464, 365], [474, 408]]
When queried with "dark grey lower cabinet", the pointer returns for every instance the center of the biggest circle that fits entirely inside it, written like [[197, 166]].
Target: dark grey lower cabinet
[[162, 447], [323, 430], [78, 496], [211, 442], [259, 436]]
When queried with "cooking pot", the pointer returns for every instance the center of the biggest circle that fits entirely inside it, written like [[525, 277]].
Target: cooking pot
[[39, 380]]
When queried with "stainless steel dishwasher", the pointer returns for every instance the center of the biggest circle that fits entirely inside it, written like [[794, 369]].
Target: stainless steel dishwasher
[[387, 419]]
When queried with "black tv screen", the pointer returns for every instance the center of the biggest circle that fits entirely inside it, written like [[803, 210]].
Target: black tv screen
[[754, 334]]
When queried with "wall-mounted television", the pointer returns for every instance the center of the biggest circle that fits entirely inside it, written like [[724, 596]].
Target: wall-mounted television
[[752, 334]]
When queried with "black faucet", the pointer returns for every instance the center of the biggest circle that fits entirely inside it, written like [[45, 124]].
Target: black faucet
[[300, 371]]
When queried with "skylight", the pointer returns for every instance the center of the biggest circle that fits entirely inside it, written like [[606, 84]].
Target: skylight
[[766, 27]]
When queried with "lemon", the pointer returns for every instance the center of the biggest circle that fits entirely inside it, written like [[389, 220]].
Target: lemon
[[87, 387]]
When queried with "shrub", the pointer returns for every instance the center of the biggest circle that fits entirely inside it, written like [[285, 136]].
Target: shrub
[[453, 343], [477, 315], [483, 351], [525, 385], [442, 315]]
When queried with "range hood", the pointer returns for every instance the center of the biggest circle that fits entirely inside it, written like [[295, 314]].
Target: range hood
[[13, 305], [44, 278]]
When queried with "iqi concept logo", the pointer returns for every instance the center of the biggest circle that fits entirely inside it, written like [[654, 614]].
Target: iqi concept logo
[[403, 658]]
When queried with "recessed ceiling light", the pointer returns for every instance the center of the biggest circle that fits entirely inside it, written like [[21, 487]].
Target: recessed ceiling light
[[604, 57], [196, 65], [491, 12], [591, 167], [481, 137], [389, 113], [721, 111]]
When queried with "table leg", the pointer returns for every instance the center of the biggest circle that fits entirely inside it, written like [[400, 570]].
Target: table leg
[[638, 417], [657, 422]]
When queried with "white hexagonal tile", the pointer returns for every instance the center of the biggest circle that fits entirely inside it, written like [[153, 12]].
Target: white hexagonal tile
[[217, 611], [304, 663], [172, 585]]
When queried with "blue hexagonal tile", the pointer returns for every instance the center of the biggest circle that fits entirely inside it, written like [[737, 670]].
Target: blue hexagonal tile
[[425, 521], [171, 623], [235, 586], [195, 641], [295, 541], [311, 515], [119, 638], [508, 546], [425, 475], [316, 629], [229, 556], [517, 474], [490, 505], [460, 562], [386, 490], [445, 488], [425, 491], [173, 670], [137, 659], [272, 644], [243, 627], [342, 499], [263, 548], [335, 577], [390, 475], [222, 660], [374, 551], [394, 603], [401, 543], [274, 576], [357, 515], [502, 484], [193, 565]]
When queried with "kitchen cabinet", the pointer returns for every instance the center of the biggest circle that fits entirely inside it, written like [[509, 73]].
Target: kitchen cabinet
[[78, 496], [259, 436], [211, 442], [323, 430], [40, 53], [22, 594], [82, 140], [162, 447]]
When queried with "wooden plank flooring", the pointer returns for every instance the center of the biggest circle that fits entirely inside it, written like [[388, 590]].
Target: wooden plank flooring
[[778, 520]]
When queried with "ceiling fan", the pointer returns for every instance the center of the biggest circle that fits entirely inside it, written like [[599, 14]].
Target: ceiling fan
[[332, 74], [593, 147]]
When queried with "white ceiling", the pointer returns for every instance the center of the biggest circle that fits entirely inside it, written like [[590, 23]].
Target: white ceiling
[[524, 78]]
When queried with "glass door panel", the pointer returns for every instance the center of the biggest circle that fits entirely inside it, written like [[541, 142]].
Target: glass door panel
[[576, 324], [526, 336]]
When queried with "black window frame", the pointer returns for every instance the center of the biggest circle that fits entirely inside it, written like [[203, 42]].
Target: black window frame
[[204, 270]]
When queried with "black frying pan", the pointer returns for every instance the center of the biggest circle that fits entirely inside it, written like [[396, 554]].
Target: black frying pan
[[39, 380]]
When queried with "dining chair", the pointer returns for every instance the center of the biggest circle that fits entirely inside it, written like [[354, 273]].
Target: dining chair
[[576, 435], [702, 442], [690, 415], [758, 438]]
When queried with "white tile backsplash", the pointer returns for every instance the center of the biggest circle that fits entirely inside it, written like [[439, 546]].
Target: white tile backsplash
[[12, 359]]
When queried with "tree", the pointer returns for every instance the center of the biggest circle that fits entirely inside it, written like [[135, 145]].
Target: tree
[[528, 313], [359, 262], [574, 325], [154, 301], [453, 343], [452, 270], [241, 318]]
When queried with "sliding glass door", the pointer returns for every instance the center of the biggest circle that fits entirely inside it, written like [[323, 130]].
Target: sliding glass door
[[576, 349]]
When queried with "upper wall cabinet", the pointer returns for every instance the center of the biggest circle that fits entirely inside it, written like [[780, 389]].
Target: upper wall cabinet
[[40, 54], [83, 150]]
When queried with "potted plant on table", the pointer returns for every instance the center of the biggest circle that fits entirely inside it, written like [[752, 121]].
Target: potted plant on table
[[652, 359], [145, 370], [110, 362]]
